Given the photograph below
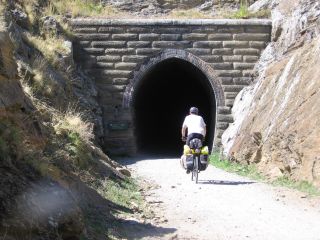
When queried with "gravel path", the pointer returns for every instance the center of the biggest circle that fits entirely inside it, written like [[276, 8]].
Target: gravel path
[[224, 206]]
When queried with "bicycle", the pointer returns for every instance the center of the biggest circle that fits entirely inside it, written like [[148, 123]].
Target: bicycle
[[195, 146], [195, 150]]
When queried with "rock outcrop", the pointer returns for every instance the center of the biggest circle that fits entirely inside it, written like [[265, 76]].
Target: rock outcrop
[[277, 119]]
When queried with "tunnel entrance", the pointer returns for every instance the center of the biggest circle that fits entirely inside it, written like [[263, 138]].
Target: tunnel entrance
[[162, 99]]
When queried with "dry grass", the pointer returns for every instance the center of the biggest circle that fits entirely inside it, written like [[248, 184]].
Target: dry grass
[[80, 8], [186, 14], [71, 122]]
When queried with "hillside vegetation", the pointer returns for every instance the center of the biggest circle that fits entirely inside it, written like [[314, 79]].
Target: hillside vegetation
[[56, 183]]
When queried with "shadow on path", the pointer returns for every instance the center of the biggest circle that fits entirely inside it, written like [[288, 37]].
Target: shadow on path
[[223, 182]]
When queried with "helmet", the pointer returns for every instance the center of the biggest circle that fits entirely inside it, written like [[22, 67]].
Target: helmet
[[194, 110]]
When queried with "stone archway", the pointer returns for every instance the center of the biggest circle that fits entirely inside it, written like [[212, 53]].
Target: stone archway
[[198, 74]]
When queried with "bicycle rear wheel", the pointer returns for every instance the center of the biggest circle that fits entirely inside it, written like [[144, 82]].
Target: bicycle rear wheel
[[196, 168]]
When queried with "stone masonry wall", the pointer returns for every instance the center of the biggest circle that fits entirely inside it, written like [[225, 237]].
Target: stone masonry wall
[[114, 51]]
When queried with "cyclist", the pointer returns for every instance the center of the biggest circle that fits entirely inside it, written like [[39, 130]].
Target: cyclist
[[195, 125]]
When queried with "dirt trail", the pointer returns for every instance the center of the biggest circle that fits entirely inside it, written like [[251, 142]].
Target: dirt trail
[[225, 206]]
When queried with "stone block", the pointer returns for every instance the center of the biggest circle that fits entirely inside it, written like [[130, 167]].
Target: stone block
[[224, 110], [246, 51], [199, 51], [243, 66], [252, 37], [226, 80], [104, 65], [230, 29], [119, 50], [125, 36], [139, 29], [147, 51], [211, 58], [194, 36], [204, 29], [149, 37], [222, 51], [108, 44], [258, 29], [111, 29], [171, 44], [250, 59], [83, 43], [235, 44], [243, 80], [231, 95], [229, 102], [125, 66], [228, 118], [108, 58], [165, 30], [249, 73], [233, 58], [170, 37], [220, 36], [208, 44], [138, 44], [94, 51], [229, 73], [120, 81], [85, 30], [133, 58], [233, 88], [257, 44], [116, 73], [222, 66], [92, 37], [222, 125]]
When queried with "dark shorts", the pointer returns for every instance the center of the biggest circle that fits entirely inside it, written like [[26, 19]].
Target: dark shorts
[[194, 135]]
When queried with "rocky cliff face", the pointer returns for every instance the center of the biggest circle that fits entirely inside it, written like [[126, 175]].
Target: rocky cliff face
[[277, 119]]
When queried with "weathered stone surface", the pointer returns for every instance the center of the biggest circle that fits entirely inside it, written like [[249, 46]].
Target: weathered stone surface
[[250, 59], [108, 44], [125, 66], [111, 29], [207, 44], [147, 51], [220, 36], [149, 37], [222, 51], [211, 58], [108, 58], [133, 58], [252, 37], [170, 37], [171, 44], [96, 36], [138, 44], [234, 58], [243, 66], [235, 44], [199, 51], [119, 50], [246, 51], [125, 36], [194, 36]]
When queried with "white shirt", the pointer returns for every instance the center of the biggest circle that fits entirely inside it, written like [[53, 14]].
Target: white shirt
[[194, 123]]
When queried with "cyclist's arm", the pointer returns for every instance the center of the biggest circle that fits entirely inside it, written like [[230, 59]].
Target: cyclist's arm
[[183, 131]]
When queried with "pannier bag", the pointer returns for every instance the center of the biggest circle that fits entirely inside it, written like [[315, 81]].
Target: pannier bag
[[189, 162], [186, 150], [204, 158]]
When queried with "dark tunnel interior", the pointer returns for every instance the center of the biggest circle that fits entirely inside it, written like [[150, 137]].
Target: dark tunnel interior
[[163, 98]]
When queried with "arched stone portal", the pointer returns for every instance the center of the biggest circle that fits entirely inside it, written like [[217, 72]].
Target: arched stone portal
[[160, 94], [120, 55]]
